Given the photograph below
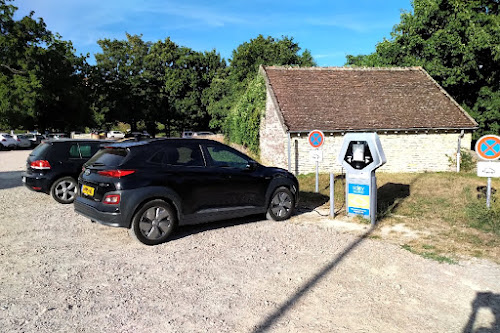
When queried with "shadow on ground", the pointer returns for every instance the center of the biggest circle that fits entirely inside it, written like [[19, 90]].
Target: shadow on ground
[[390, 196], [187, 230], [273, 318], [10, 179], [484, 300]]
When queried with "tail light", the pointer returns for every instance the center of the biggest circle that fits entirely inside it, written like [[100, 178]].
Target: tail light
[[111, 199], [116, 173], [40, 165]]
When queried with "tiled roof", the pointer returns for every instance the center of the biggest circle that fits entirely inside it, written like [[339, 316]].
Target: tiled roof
[[344, 99]]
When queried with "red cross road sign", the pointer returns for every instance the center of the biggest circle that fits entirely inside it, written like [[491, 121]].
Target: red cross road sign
[[316, 138], [488, 147]]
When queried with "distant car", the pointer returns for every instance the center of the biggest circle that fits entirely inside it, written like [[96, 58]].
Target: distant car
[[35, 139], [56, 136], [137, 136], [151, 186], [205, 133], [22, 141], [115, 135], [7, 141], [187, 134], [53, 166]]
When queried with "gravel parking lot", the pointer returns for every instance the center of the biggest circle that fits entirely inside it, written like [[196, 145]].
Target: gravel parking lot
[[62, 273]]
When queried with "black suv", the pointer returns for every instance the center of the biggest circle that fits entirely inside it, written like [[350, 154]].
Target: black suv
[[151, 186], [54, 165]]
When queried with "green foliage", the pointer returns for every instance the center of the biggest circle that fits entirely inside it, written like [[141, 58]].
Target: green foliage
[[467, 163], [155, 82], [230, 84], [457, 42], [41, 80], [243, 123], [482, 218]]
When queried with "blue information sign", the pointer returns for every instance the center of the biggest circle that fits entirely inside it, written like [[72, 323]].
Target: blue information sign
[[358, 199]]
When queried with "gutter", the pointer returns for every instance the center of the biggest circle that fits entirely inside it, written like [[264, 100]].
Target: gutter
[[396, 130]]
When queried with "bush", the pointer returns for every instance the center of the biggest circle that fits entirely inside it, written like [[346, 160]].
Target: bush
[[466, 161], [243, 122]]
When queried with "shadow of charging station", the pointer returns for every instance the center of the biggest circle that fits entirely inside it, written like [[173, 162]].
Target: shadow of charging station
[[361, 155]]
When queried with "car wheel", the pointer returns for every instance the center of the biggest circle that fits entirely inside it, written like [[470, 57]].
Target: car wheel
[[153, 223], [63, 190], [281, 205]]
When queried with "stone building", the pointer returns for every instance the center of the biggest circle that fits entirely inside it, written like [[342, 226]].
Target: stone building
[[419, 124]]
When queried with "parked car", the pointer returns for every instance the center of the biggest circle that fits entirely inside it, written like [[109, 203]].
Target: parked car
[[152, 186], [53, 167], [35, 139], [203, 133], [7, 141], [115, 135], [22, 141], [56, 136], [187, 134], [137, 136]]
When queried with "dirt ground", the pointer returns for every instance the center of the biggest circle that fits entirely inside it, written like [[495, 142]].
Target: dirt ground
[[62, 273]]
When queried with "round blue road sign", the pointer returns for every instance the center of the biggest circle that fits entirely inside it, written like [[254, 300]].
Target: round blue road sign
[[316, 138]]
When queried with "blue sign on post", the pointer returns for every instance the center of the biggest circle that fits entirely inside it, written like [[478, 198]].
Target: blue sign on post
[[358, 199]]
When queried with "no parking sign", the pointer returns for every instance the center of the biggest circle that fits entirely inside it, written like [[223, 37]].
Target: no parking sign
[[488, 147], [316, 138]]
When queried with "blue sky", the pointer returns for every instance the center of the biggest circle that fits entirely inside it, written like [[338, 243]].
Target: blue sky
[[329, 29]]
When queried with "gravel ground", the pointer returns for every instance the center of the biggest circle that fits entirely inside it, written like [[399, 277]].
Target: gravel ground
[[62, 273]]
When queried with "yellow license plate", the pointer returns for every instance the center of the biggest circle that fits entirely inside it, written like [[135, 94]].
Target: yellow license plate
[[88, 190]]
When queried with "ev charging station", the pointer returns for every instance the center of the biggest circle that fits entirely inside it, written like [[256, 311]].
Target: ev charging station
[[361, 155]]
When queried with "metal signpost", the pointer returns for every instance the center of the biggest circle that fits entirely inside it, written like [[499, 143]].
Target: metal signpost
[[316, 139], [361, 155], [488, 149]]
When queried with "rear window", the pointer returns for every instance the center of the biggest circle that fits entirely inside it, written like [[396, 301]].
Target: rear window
[[109, 157], [40, 150]]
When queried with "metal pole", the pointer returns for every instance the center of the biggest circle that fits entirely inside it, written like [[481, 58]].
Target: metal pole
[[317, 176], [488, 193], [289, 153], [332, 192], [373, 195]]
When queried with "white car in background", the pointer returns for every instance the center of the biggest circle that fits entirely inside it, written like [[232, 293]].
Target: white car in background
[[115, 135], [7, 141], [22, 141]]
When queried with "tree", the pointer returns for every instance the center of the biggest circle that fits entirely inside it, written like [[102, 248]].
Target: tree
[[120, 80], [230, 84], [41, 79], [154, 82], [457, 42]]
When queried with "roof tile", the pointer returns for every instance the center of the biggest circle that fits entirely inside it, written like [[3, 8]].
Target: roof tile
[[338, 99]]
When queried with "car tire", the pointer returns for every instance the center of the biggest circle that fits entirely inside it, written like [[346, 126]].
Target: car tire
[[281, 205], [153, 223], [63, 190]]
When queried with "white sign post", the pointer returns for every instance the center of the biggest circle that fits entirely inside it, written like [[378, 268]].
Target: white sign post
[[488, 149], [316, 139], [488, 169]]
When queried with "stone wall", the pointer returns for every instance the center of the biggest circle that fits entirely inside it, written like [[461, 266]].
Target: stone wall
[[405, 152], [273, 138]]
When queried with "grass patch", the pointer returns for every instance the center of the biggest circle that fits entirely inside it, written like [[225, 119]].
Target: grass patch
[[433, 255], [448, 208]]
